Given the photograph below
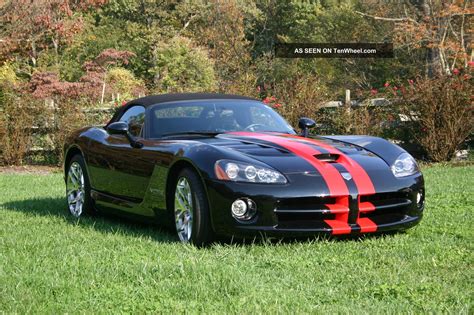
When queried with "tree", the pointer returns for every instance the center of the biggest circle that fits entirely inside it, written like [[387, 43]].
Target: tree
[[335, 21], [97, 70], [16, 116], [440, 110], [141, 26], [441, 28], [181, 66], [92, 85], [123, 84], [29, 27], [221, 26]]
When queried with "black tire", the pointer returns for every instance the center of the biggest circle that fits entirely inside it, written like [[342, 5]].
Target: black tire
[[201, 232], [88, 204]]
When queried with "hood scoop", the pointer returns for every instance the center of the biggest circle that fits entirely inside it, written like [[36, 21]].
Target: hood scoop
[[327, 157], [254, 148]]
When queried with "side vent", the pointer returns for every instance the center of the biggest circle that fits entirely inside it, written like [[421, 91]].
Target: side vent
[[327, 157]]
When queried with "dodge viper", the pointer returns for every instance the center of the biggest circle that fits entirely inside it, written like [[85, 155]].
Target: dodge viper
[[214, 165]]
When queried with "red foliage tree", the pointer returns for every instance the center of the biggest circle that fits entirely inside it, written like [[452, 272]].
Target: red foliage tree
[[47, 85], [96, 71], [92, 85], [441, 28], [28, 27]]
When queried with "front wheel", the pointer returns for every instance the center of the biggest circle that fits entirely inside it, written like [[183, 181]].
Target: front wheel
[[191, 209], [78, 187]]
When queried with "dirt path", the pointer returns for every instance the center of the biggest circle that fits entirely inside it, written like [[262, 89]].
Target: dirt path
[[29, 169]]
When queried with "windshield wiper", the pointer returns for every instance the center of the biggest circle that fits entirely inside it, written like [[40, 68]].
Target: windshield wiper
[[198, 133]]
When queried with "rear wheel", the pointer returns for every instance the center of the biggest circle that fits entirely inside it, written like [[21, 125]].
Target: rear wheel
[[191, 209], [78, 188]]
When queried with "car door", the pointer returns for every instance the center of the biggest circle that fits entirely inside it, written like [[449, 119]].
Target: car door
[[120, 170]]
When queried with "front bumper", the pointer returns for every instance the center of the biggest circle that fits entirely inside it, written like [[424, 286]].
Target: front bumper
[[298, 208]]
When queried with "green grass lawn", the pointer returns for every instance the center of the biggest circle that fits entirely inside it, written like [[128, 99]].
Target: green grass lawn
[[50, 262]]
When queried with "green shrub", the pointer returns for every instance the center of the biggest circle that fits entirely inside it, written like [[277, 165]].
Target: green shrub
[[123, 84], [360, 120], [440, 111], [16, 117], [182, 67]]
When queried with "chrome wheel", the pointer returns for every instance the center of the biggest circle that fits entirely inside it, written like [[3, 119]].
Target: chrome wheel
[[75, 189], [183, 210]]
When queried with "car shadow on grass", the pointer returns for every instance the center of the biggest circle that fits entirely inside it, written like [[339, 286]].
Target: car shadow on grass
[[107, 223], [104, 223], [270, 240]]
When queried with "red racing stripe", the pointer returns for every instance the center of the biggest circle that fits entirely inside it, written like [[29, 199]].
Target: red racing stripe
[[361, 178], [364, 186], [366, 224], [338, 227], [336, 184], [366, 206], [337, 207], [341, 210], [334, 180]]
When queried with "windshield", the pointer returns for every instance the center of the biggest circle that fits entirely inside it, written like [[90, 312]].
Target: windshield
[[214, 116]]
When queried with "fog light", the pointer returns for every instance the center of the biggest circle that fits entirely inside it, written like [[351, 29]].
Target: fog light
[[244, 209], [420, 200], [239, 208]]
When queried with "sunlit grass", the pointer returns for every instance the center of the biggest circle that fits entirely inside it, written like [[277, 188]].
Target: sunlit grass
[[50, 262]]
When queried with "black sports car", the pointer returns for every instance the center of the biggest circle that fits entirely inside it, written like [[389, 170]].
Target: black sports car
[[229, 165]]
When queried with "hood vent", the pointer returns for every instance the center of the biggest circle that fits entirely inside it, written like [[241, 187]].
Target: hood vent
[[253, 148], [327, 157]]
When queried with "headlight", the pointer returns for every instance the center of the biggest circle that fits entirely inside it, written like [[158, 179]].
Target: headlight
[[405, 165], [244, 172]]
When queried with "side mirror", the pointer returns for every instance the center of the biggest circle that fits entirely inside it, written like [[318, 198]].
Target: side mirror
[[118, 128], [305, 124], [121, 128]]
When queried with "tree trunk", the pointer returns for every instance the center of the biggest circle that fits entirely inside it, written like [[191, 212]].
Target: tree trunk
[[33, 53], [433, 59], [347, 104], [103, 89]]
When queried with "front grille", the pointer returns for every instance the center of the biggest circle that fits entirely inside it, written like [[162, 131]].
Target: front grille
[[386, 207], [385, 196], [308, 212], [393, 202], [312, 212], [306, 203], [302, 219]]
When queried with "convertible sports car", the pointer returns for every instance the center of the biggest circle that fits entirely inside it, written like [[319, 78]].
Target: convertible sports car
[[213, 164]]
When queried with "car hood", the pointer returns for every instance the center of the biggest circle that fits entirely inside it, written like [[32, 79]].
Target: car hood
[[316, 161], [294, 154]]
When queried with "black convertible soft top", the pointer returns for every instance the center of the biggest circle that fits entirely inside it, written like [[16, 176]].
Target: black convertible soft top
[[163, 98]]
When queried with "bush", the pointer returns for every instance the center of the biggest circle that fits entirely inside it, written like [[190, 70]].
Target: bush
[[67, 116], [441, 110], [16, 117], [123, 84], [182, 67], [360, 120], [295, 98]]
